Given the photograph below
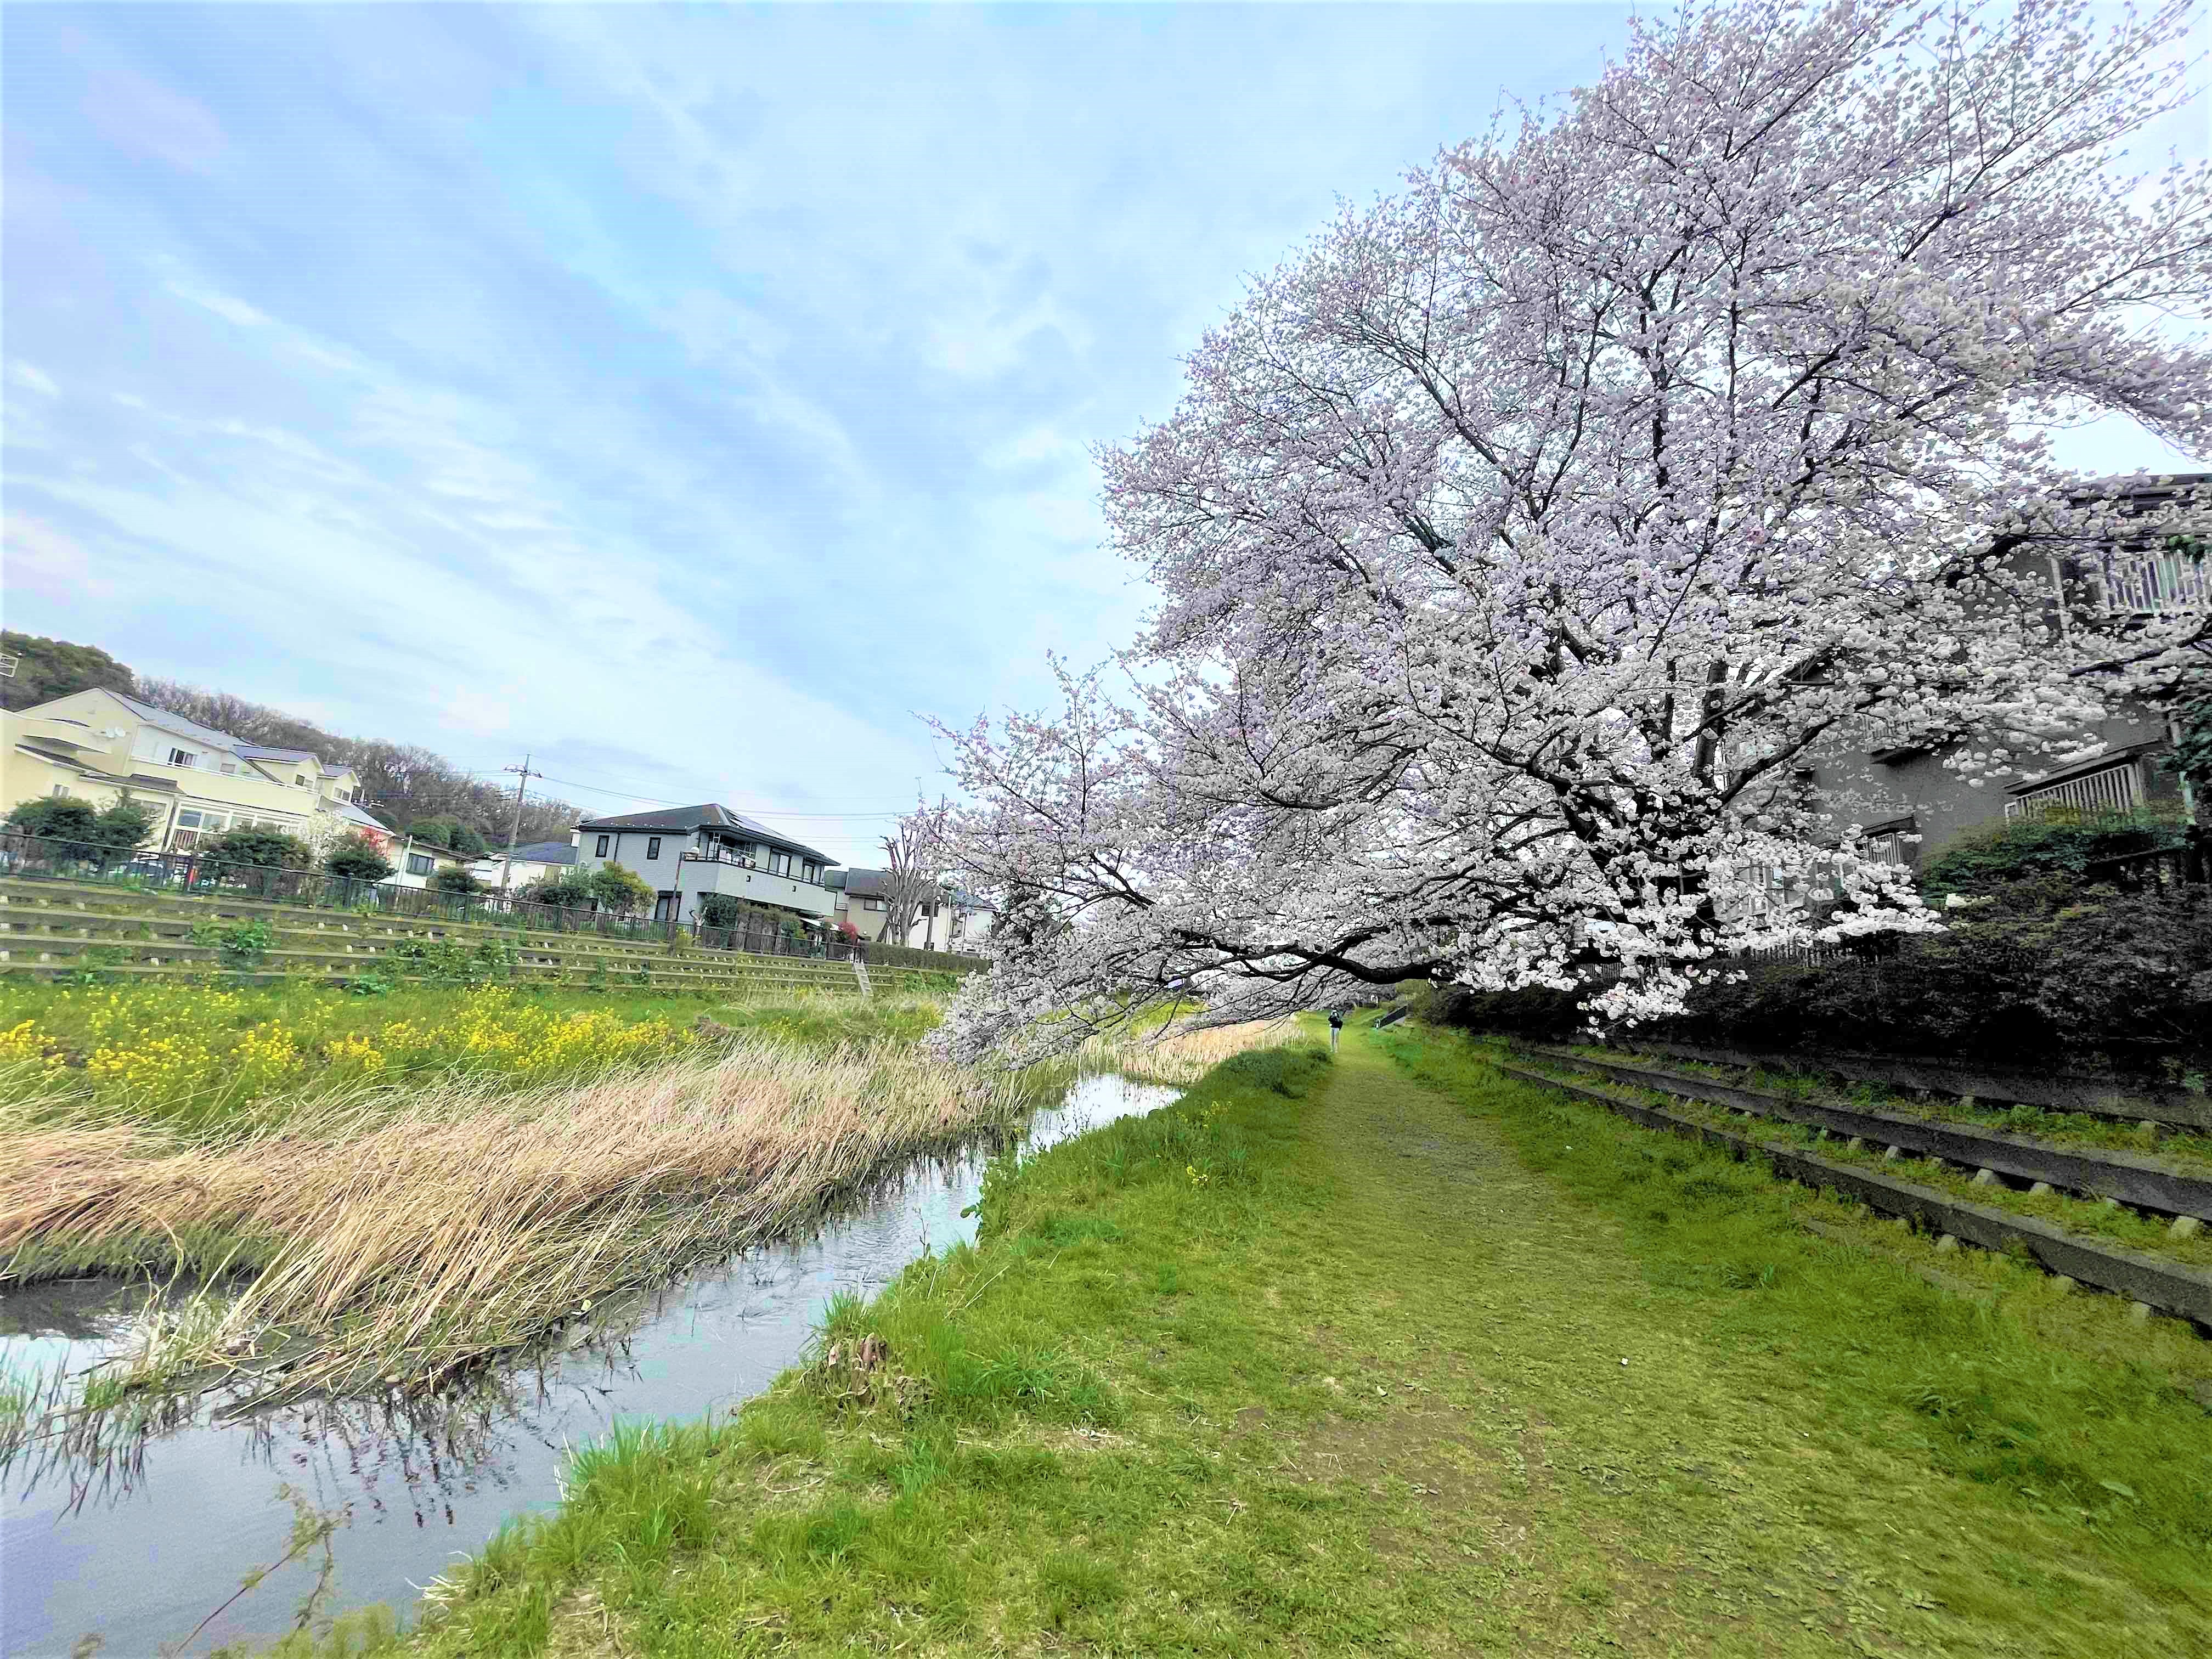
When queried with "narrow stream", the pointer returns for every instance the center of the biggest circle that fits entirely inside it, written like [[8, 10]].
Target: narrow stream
[[141, 1547]]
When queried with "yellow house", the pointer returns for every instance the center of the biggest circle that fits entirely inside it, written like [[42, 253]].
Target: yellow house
[[97, 745]]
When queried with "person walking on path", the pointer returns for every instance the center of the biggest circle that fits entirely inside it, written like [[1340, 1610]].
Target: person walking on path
[[1336, 1025]]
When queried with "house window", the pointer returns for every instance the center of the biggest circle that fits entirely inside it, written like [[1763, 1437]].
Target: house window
[[602, 853], [653, 851], [420, 864], [779, 864], [874, 904], [813, 873], [192, 824], [62, 790], [230, 768], [181, 757], [300, 779]]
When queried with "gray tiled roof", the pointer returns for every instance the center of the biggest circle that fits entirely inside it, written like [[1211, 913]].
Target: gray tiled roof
[[177, 723], [543, 851], [706, 816], [354, 815]]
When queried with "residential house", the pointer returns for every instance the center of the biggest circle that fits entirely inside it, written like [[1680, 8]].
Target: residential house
[[1912, 807], [97, 745], [531, 862], [416, 862], [685, 853], [956, 921], [861, 902]]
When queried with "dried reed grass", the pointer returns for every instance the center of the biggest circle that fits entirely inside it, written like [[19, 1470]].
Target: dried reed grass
[[407, 1243], [1181, 1054]]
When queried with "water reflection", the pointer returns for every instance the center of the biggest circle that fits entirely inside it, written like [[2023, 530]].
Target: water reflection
[[138, 1535]]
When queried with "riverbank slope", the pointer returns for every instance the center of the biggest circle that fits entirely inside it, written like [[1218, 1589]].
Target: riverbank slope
[[1393, 1355]]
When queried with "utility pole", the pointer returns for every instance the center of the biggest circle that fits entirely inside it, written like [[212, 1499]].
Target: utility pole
[[515, 828]]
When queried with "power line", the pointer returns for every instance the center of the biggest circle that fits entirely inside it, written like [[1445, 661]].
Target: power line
[[654, 800]]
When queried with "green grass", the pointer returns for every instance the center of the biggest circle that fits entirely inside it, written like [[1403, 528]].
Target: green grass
[[1393, 1355], [2089, 1215], [2185, 1147]]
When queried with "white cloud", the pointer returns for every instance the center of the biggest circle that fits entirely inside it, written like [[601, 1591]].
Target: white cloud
[[27, 376], [230, 309], [42, 560]]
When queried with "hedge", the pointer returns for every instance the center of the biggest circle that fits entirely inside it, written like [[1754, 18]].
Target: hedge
[[2037, 971]]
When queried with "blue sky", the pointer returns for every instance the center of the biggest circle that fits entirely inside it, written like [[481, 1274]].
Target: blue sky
[[689, 397]]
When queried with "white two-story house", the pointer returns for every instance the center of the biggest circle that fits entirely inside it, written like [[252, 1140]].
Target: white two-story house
[[685, 853]]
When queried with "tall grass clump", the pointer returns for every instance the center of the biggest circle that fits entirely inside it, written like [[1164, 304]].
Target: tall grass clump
[[408, 1240], [1180, 1053]]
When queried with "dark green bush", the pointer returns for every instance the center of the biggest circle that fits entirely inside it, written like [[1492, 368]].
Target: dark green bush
[[619, 889], [2056, 844], [452, 879], [253, 847], [451, 834], [121, 827], [2039, 970], [721, 910], [1535, 1013], [359, 858], [571, 889]]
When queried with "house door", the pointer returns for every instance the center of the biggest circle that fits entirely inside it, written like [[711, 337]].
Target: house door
[[663, 908]]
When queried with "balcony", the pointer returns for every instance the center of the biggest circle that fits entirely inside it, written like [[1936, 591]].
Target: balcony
[[706, 872], [2113, 788], [720, 856], [2139, 582]]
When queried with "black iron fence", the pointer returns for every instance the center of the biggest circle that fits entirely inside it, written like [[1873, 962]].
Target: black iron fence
[[204, 875], [768, 938]]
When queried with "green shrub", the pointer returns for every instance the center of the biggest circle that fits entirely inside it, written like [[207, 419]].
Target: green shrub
[[571, 889], [618, 890], [451, 834], [2192, 756], [2037, 970], [453, 879], [449, 961], [358, 858], [254, 847], [1535, 1013], [722, 910], [121, 827], [2060, 842], [241, 945]]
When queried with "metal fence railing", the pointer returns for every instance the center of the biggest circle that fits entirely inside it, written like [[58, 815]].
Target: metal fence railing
[[199, 874]]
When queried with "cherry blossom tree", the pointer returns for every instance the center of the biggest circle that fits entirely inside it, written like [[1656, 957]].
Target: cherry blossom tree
[[1520, 538]]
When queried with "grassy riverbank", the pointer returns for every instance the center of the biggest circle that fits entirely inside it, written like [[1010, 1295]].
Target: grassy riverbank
[[1393, 1356], [505, 1164]]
